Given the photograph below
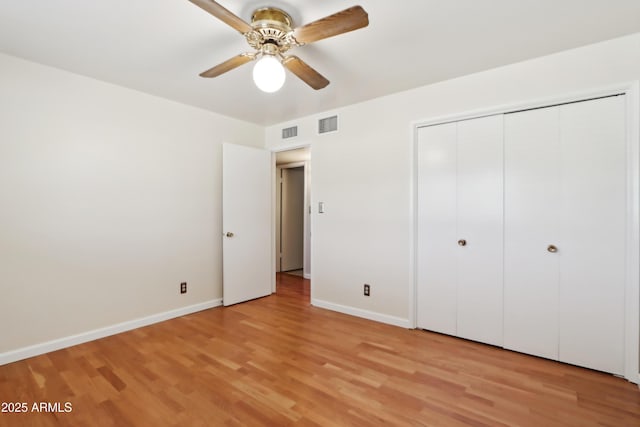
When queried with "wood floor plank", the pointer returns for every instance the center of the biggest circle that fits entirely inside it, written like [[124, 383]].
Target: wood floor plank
[[278, 361]]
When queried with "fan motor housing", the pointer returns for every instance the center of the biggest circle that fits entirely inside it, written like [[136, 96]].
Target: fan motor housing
[[270, 25], [273, 16]]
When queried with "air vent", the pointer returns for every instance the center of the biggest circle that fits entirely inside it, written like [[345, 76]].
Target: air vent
[[290, 132], [329, 124]]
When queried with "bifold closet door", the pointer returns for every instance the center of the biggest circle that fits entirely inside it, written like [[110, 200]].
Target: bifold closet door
[[565, 222], [479, 229], [592, 241], [531, 212], [460, 229], [437, 249]]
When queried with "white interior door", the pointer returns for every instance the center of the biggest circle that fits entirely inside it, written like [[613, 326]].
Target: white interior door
[[479, 223], [593, 237], [437, 234], [246, 223], [532, 203]]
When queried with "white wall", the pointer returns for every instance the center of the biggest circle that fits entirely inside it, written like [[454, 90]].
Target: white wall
[[364, 175], [109, 198]]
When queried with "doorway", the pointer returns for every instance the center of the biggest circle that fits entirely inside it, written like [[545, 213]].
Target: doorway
[[292, 214], [291, 220]]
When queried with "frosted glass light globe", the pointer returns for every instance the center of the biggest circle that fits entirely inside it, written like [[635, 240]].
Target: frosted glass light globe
[[268, 74]]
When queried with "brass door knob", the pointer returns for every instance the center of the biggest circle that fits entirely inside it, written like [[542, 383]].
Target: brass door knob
[[552, 249], [229, 234], [462, 242]]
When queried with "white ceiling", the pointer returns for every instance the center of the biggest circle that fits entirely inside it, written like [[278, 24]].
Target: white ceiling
[[160, 46]]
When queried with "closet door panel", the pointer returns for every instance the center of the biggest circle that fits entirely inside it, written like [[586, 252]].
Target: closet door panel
[[436, 250], [480, 222], [532, 200], [592, 244]]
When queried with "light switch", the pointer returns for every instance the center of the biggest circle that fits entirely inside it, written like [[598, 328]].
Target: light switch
[[320, 207]]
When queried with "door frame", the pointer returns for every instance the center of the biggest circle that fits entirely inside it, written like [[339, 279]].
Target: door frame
[[631, 90], [307, 200], [277, 218]]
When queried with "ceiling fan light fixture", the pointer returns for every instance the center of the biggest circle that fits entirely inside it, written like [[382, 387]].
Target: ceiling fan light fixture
[[271, 34], [268, 74]]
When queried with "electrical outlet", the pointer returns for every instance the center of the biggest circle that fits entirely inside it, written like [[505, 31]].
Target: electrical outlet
[[183, 287], [367, 290]]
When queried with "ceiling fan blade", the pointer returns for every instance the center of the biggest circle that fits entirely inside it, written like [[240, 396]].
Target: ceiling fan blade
[[223, 14], [307, 74], [342, 22], [228, 65]]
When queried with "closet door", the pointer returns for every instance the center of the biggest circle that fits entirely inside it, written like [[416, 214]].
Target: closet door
[[436, 249], [532, 208], [565, 222], [460, 199], [479, 225], [592, 240]]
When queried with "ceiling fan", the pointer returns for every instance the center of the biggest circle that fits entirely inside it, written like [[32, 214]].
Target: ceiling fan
[[271, 34]]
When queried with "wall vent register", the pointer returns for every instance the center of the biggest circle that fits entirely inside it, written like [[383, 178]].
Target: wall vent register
[[328, 124], [290, 132]]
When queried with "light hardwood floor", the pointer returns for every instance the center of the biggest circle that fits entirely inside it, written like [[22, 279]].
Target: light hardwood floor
[[278, 361]]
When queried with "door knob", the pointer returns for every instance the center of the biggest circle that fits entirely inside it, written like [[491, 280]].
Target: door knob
[[462, 242], [552, 249], [229, 234]]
